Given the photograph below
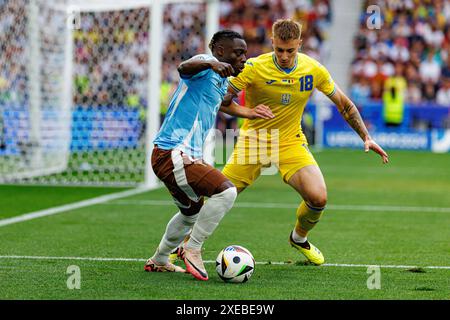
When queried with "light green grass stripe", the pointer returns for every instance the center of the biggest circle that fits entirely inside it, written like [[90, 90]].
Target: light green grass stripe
[[71, 206], [268, 205], [348, 265]]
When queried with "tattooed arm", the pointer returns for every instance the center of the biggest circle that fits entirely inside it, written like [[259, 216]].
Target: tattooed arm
[[351, 114]]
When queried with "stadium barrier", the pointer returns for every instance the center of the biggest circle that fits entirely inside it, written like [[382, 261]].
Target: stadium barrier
[[424, 127]]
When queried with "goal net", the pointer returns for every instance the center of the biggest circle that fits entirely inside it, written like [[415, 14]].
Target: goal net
[[84, 85]]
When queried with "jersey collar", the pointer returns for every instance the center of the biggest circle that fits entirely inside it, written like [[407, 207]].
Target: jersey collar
[[283, 69]]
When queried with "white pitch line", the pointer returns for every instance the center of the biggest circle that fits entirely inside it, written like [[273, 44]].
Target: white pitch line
[[347, 265], [72, 258], [71, 206], [269, 205]]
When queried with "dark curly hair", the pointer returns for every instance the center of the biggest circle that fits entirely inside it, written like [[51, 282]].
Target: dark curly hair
[[223, 35]]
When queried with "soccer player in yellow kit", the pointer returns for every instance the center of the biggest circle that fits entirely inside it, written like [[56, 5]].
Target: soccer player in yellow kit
[[283, 80]]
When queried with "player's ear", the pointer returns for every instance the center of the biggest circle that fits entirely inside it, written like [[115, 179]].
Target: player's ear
[[220, 50], [300, 45]]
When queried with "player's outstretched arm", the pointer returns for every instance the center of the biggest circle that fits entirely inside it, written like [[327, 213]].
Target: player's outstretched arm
[[232, 108], [351, 114], [196, 65]]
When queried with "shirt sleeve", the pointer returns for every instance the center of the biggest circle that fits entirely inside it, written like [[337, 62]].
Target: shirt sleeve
[[201, 74], [244, 79], [325, 83]]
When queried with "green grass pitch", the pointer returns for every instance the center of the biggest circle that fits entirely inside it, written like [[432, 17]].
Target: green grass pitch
[[395, 216]]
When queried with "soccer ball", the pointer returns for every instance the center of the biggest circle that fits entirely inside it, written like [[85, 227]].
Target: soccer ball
[[235, 264]]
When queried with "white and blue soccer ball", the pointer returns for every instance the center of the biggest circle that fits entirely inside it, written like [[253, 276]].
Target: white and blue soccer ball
[[235, 264]]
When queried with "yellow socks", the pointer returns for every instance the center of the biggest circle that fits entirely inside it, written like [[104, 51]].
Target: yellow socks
[[307, 218]]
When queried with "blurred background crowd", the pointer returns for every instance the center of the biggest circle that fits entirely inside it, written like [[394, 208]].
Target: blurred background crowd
[[111, 48], [409, 52]]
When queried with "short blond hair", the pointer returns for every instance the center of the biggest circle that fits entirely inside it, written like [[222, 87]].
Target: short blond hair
[[286, 29]]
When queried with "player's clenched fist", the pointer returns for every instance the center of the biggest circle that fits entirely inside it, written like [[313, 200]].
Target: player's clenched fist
[[222, 68]]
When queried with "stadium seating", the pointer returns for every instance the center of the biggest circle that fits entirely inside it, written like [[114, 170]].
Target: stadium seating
[[413, 43]]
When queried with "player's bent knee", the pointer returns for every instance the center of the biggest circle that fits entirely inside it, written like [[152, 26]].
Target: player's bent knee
[[227, 196], [224, 186], [318, 201], [230, 194]]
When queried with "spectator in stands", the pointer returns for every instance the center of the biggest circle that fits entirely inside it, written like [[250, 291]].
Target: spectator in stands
[[360, 42], [446, 70], [360, 90], [383, 72], [434, 37], [369, 68], [429, 92], [399, 51], [412, 73], [414, 93], [429, 69], [380, 45], [402, 28], [397, 79], [376, 90], [443, 94]]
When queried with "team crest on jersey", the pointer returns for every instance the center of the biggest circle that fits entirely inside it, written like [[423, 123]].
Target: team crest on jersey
[[285, 98]]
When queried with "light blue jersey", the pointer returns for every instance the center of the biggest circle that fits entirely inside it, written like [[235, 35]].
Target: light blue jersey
[[192, 112]]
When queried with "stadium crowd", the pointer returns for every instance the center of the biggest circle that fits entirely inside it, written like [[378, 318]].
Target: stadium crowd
[[12, 52], [412, 48], [111, 47], [251, 18]]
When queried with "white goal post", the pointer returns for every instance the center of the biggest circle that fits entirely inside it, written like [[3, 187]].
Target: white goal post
[[80, 96]]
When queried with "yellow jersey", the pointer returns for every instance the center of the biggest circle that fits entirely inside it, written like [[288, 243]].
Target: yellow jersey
[[284, 91]]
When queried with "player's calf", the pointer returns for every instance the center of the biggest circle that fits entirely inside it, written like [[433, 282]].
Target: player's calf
[[209, 217], [307, 218]]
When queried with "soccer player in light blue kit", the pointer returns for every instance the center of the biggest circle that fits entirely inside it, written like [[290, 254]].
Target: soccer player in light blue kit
[[177, 155]]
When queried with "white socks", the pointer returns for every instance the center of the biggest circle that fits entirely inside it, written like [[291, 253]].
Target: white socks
[[204, 222], [177, 229], [210, 215], [298, 238]]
